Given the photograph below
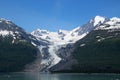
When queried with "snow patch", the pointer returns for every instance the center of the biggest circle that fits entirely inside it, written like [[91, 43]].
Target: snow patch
[[13, 41], [100, 39], [5, 32], [113, 23], [98, 19], [82, 45], [33, 44], [115, 19], [16, 32]]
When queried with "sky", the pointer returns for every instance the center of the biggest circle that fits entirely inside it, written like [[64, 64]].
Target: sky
[[53, 15]]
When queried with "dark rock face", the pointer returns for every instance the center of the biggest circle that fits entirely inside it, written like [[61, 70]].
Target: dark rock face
[[100, 52]]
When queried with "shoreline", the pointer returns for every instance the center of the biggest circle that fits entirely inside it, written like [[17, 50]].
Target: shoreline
[[2, 73]]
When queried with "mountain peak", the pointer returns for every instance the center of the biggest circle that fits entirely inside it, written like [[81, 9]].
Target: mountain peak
[[98, 19], [62, 31], [40, 32], [112, 23], [4, 20], [115, 19]]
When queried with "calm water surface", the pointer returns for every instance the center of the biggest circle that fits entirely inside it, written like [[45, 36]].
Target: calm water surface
[[62, 76]]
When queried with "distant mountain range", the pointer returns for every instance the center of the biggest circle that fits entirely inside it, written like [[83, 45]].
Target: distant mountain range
[[65, 37], [93, 47]]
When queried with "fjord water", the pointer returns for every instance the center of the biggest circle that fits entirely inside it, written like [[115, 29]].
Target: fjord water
[[62, 76]]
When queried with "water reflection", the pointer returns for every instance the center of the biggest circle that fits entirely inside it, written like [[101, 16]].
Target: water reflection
[[45, 76], [41, 76], [38, 76]]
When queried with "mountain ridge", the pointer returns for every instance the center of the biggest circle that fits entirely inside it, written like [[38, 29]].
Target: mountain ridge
[[71, 36]]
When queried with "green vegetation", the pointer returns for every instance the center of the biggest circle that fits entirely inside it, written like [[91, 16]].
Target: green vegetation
[[98, 57], [14, 56]]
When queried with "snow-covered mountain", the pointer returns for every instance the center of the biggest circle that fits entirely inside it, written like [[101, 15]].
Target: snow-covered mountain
[[62, 38], [55, 46], [102, 39], [15, 35], [8, 28], [112, 23]]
